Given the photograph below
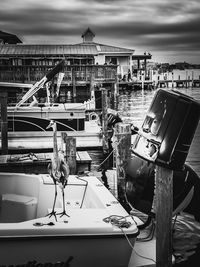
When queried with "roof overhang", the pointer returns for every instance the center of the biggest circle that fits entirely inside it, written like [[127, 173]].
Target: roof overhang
[[115, 53], [141, 56]]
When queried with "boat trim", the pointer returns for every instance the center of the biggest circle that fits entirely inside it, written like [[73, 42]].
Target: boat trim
[[89, 236]]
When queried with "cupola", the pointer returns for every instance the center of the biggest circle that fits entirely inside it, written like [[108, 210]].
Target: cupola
[[88, 36]]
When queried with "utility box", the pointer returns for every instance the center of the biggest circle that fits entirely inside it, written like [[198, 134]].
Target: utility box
[[168, 129], [17, 208]]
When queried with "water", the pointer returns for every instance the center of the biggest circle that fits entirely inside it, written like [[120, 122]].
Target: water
[[132, 108]]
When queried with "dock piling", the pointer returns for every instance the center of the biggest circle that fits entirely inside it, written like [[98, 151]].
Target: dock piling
[[105, 120], [164, 208], [122, 133], [70, 150], [4, 123]]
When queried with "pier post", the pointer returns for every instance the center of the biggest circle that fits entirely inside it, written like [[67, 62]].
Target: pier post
[[192, 79], [116, 93], [4, 123], [189, 81], [105, 120], [122, 143], [143, 78], [172, 80], [164, 209], [186, 83], [70, 151], [92, 89], [74, 85]]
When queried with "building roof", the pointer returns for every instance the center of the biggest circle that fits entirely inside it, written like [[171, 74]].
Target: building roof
[[46, 50], [9, 38], [102, 48], [76, 49]]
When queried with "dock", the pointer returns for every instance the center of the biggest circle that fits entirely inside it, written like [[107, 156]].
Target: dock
[[38, 162]]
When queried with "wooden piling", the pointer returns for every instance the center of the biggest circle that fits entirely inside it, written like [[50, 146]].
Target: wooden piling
[[164, 209], [74, 85], [70, 151], [116, 93], [92, 89], [122, 144], [105, 121], [4, 123], [186, 84], [143, 78], [172, 80]]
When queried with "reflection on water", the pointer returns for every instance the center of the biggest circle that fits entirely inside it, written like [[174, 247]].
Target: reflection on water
[[186, 237]]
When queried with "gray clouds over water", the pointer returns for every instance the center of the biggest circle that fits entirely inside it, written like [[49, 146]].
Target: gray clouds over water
[[168, 29]]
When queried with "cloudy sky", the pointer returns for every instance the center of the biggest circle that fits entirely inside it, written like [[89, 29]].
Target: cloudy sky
[[169, 30]]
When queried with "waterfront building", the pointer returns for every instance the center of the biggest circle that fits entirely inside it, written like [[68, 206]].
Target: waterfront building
[[88, 65]]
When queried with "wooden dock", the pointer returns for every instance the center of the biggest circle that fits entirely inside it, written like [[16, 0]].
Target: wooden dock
[[38, 162]]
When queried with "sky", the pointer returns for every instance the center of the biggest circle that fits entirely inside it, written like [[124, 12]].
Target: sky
[[169, 30]]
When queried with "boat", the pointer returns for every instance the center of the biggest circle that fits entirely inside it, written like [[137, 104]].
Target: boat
[[27, 122], [27, 126], [98, 231]]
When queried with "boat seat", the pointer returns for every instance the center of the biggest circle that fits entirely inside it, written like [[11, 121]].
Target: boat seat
[[17, 208]]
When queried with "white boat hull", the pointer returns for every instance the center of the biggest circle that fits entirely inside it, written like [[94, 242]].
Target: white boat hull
[[80, 251], [41, 140], [27, 126], [82, 239]]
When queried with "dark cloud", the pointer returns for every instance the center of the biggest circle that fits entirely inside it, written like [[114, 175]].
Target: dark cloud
[[152, 25]]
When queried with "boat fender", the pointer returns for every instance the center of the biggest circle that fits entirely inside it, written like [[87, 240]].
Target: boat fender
[[93, 116]]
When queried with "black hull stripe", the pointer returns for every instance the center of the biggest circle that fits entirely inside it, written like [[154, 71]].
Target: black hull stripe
[[33, 124]]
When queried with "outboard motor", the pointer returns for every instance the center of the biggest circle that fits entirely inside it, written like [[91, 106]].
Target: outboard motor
[[140, 185], [164, 139], [168, 129]]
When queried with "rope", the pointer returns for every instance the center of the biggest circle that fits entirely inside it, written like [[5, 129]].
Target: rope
[[105, 159], [121, 222]]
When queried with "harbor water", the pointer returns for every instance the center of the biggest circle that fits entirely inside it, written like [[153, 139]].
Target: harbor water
[[132, 108]]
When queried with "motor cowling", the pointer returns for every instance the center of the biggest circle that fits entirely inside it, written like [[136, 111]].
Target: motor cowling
[[140, 187]]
